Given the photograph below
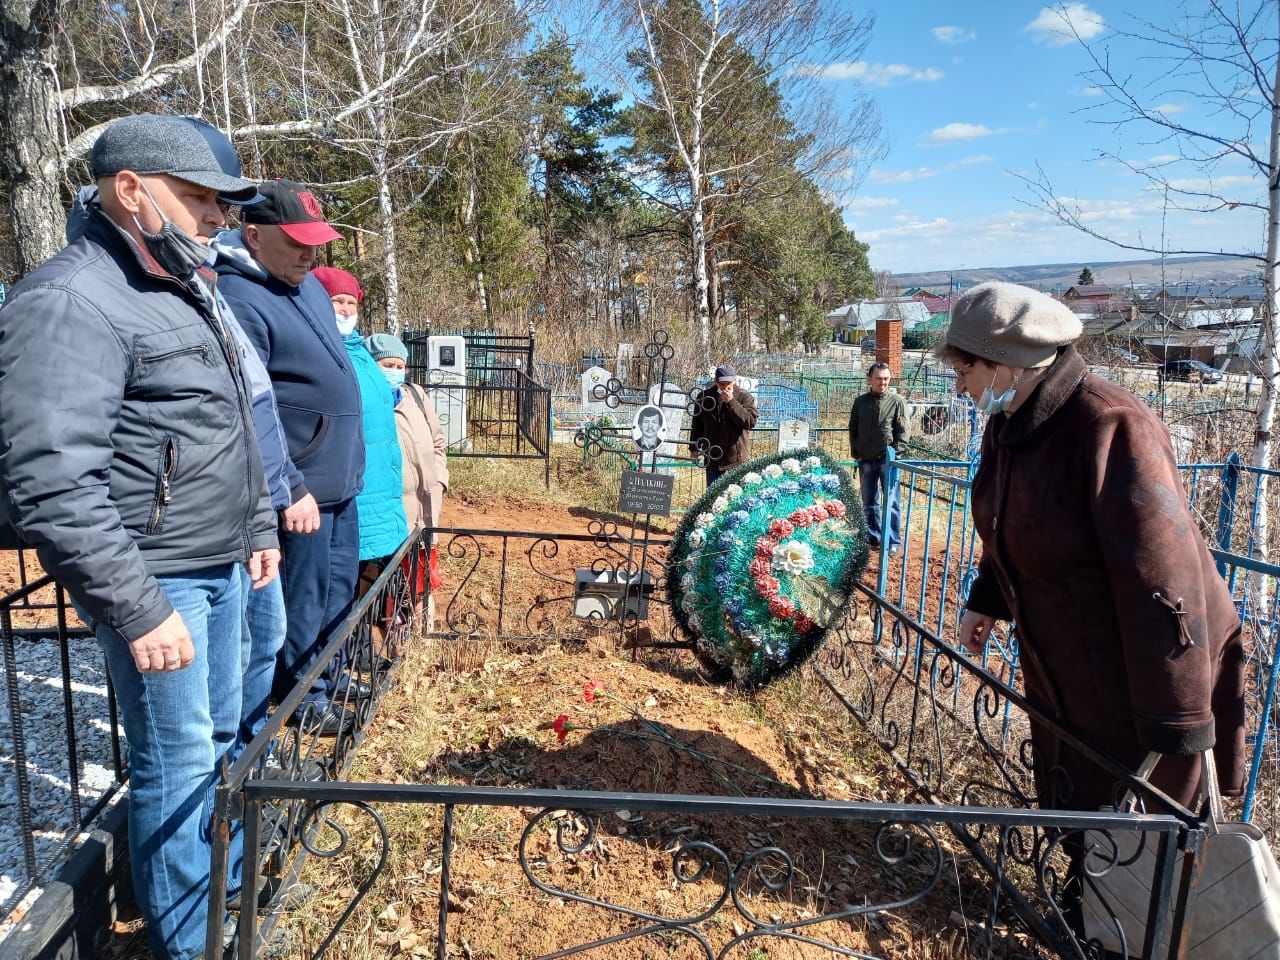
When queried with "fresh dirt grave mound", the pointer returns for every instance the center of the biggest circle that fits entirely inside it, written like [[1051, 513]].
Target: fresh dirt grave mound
[[484, 713]]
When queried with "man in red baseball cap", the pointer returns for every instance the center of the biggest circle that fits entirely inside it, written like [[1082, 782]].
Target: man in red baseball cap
[[264, 273]]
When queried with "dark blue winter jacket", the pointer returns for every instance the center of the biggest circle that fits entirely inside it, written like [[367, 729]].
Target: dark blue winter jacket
[[315, 385]]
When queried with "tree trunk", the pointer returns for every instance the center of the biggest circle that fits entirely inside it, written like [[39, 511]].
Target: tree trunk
[[387, 225], [29, 129], [1271, 330]]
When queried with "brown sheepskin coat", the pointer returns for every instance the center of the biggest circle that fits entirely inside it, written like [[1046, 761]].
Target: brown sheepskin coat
[[1127, 633]]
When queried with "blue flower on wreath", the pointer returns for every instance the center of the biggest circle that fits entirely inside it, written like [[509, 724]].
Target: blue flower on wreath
[[752, 503], [769, 494], [789, 487], [724, 584], [727, 539], [733, 604], [808, 482], [831, 482], [738, 517], [721, 563]]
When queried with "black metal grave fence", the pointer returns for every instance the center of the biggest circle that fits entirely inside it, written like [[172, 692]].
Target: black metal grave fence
[[957, 731], [55, 726]]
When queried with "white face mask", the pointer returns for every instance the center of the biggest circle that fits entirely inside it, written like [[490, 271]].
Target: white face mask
[[990, 404], [345, 324]]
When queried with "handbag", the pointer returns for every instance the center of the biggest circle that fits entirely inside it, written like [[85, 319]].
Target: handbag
[[1234, 909]]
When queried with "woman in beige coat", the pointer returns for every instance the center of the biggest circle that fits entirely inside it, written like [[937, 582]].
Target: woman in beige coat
[[422, 444]]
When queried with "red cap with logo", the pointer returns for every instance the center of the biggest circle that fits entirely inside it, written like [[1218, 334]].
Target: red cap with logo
[[294, 209]]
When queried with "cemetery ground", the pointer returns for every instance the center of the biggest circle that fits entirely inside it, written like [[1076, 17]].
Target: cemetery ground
[[482, 711]]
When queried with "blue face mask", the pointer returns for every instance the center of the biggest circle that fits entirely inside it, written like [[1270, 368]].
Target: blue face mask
[[394, 377], [990, 404]]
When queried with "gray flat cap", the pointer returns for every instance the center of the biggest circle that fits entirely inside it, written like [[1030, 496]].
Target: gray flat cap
[[1010, 324], [151, 144]]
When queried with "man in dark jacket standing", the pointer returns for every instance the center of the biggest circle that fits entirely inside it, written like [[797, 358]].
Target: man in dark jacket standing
[[877, 432], [264, 271], [128, 460], [720, 427]]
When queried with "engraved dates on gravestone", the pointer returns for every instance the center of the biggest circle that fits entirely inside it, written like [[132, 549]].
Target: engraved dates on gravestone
[[644, 492]]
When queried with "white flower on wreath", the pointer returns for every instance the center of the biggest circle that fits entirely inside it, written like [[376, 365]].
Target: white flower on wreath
[[704, 520], [695, 621], [791, 465], [773, 471], [697, 539], [688, 582], [732, 491], [686, 604], [720, 506], [812, 462], [794, 556], [752, 478]]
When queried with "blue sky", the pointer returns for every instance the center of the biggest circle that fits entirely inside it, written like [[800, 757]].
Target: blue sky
[[971, 94]]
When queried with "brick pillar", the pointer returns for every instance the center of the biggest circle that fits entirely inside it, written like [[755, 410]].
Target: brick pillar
[[889, 344]]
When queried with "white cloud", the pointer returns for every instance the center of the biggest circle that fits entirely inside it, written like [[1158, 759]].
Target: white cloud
[[1161, 159], [1169, 109], [906, 229], [1059, 26], [876, 74], [1090, 91], [1214, 184], [957, 132], [924, 173], [953, 35], [855, 204]]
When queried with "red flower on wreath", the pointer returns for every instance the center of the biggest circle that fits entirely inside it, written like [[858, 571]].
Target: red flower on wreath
[[764, 547], [803, 623], [781, 529], [759, 567], [768, 587], [593, 689], [836, 508], [781, 607], [561, 726]]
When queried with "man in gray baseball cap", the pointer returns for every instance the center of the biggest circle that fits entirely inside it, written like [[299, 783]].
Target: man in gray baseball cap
[[129, 461]]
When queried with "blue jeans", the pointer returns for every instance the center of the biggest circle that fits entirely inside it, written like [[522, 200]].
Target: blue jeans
[[320, 574], [179, 725], [264, 632], [714, 474], [873, 476]]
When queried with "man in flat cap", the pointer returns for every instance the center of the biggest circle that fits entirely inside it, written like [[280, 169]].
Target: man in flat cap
[[264, 272], [722, 424], [128, 460]]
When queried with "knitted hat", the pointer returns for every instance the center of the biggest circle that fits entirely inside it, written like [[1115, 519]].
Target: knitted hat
[[337, 282], [383, 345], [1012, 325]]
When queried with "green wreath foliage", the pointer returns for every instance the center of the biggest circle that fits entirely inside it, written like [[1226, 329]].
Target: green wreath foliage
[[763, 565]]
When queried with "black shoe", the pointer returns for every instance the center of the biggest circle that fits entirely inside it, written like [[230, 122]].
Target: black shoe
[[275, 894], [280, 944], [354, 689], [873, 543], [334, 720], [311, 770]]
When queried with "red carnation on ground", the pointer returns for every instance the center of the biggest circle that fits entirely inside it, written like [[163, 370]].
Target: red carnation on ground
[[781, 528], [561, 726], [781, 607], [593, 689]]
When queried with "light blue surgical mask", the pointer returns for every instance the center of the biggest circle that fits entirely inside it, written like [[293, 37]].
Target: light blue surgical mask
[[394, 377], [990, 404], [345, 324]]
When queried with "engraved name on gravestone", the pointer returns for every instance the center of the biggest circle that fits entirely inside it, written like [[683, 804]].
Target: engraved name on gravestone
[[645, 492]]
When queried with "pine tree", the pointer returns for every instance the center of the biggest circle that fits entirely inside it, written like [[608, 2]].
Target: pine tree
[[1086, 278]]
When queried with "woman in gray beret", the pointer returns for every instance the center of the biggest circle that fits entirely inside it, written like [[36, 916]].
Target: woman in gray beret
[[1127, 634]]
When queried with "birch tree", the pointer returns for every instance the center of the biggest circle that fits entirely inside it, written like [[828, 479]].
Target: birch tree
[[701, 66], [1226, 59], [46, 85]]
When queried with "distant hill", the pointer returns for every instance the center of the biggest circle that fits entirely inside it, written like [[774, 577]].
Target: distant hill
[[1119, 273]]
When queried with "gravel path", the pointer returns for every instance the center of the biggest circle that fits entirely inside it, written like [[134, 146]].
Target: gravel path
[[44, 728]]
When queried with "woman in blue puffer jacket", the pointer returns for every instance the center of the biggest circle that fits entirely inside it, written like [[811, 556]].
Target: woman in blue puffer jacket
[[382, 522]]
